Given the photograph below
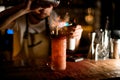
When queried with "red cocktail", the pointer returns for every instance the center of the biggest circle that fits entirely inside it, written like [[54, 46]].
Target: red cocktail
[[58, 61]]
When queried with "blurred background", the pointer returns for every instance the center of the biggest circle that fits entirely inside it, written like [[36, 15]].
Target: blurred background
[[90, 14]]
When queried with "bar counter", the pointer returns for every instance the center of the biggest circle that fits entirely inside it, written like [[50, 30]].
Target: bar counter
[[83, 70]]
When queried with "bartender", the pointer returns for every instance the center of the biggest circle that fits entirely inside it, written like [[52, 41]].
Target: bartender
[[32, 20]]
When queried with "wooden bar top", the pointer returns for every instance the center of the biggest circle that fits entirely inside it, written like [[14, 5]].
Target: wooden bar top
[[83, 70]]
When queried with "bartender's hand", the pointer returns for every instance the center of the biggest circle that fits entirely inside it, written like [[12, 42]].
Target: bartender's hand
[[74, 31], [30, 7]]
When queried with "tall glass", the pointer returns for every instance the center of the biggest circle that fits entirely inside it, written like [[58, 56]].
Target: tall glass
[[58, 57]]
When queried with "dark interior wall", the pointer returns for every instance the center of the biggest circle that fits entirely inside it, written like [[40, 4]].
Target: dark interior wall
[[106, 11], [110, 8], [116, 17], [77, 8]]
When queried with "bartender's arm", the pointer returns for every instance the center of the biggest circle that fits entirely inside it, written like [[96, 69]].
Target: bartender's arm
[[9, 15]]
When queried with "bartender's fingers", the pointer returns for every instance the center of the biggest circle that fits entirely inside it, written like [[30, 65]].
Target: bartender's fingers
[[77, 32], [37, 10], [28, 6], [78, 27], [74, 29]]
